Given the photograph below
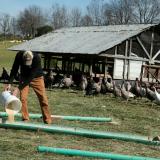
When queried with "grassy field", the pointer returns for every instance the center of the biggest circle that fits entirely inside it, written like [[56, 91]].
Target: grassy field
[[135, 117], [6, 56]]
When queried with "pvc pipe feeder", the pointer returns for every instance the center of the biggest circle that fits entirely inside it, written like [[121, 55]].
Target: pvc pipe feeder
[[83, 153], [70, 118], [79, 132]]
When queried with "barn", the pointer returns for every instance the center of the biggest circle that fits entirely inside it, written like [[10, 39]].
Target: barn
[[122, 51]]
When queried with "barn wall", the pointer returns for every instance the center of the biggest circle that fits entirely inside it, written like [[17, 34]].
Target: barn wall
[[132, 69]]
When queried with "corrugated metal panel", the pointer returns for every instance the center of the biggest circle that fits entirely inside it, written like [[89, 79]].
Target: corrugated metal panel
[[82, 40]]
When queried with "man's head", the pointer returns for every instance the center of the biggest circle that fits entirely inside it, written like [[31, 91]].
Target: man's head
[[27, 58]]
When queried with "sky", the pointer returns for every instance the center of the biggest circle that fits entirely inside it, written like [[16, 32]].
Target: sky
[[13, 7]]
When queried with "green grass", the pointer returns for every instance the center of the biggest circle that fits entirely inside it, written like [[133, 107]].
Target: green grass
[[6, 56], [135, 117]]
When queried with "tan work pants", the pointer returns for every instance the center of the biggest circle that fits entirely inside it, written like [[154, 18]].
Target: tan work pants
[[38, 86]]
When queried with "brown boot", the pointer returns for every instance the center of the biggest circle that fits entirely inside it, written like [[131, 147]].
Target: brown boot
[[48, 121]]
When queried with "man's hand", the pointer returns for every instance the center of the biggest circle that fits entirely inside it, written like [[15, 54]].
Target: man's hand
[[15, 92]]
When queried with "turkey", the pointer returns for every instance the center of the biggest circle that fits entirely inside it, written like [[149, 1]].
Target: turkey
[[83, 83], [49, 79], [149, 93], [67, 81], [128, 86], [125, 93], [91, 88], [140, 91], [109, 86], [103, 86], [157, 96], [5, 75], [129, 89], [98, 86], [58, 80], [116, 90]]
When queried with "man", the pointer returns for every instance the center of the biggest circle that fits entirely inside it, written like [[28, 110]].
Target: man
[[31, 74]]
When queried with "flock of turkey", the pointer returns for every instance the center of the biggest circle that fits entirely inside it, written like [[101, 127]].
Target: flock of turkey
[[92, 86]]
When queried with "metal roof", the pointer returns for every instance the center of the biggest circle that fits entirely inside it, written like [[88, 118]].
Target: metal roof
[[82, 40]]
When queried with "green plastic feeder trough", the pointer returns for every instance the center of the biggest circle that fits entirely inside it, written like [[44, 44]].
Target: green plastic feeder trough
[[79, 132], [71, 118], [74, 152]]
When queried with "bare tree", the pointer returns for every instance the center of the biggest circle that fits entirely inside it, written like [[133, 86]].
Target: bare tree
[[29, 20], [86, 21], [75, 17], [59, 16], [95, 11], [5, 24], [146, 11], [13, 26], [108, 15], [132, 11], [119, 12]]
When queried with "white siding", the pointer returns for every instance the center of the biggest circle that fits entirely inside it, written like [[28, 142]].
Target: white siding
[[118, 69], [134, 69]]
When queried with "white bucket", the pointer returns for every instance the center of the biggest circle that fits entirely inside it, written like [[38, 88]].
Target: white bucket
[[11, 102]]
